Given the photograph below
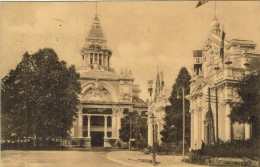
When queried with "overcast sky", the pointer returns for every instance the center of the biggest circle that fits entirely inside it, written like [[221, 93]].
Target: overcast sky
[[141, 35]]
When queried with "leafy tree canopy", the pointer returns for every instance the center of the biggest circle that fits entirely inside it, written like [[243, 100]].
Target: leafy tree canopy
[[138, 126], [247, 110], [40, 97]]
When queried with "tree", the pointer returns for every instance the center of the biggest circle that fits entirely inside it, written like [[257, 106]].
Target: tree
[[172, 131], [247, 110], [40, 97], [138, 127]]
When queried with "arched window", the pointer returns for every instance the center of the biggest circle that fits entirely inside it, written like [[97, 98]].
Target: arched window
[[96, 60], [209, 135], [100, 59]]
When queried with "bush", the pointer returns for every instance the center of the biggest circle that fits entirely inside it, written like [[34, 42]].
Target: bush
[[233, 149], [141, 144]]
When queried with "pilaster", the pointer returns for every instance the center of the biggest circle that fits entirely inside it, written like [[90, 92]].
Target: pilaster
[[227, 123], [80, 125], [247, 131], [192, 129]]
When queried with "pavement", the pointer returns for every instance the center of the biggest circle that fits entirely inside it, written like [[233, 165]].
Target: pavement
[[132, 158], [81, 158], [18, 158]]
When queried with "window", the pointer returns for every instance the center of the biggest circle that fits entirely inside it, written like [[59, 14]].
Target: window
[[85, 121], [197, 60], [91, 58], [109, 121], [100, 59], [97, 121], [85, 133]]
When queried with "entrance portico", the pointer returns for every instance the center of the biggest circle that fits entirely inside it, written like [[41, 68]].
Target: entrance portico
[[98, 123]]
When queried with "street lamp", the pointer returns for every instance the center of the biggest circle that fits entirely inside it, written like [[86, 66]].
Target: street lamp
[[153, 122]]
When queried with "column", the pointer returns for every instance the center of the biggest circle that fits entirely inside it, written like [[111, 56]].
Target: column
[[227, 123], [89, 116], [199, 129], [158, 132], [105, 135], [195, 129], [202, 125], [150, 132], [247, 131], [192, 131], [80, 125], [114, 122], [102, 61], [89, 59]]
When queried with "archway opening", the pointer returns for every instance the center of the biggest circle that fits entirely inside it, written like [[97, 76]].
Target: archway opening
[[209, 136]]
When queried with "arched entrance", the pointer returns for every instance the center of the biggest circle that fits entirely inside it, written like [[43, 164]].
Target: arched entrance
[[209, 136], [97, 133]]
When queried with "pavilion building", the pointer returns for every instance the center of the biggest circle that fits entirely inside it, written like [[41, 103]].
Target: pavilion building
[[217, 67], [106, 95]]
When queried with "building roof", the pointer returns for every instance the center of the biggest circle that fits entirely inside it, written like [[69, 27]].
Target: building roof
[[235, 42]]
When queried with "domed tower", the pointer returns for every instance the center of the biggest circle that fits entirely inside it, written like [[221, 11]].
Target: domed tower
[[215, 27], [95, 54]]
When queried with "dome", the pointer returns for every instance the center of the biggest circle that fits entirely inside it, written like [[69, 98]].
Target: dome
[[215, 24], [96, 31]]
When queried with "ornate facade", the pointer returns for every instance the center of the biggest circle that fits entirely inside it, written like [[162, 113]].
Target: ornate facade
[[211, 91], [106, 95], [156, 109]]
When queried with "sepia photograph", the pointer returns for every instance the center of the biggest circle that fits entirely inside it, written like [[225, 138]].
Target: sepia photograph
[[130, 83]]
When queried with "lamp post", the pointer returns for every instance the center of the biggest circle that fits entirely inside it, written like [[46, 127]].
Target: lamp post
[[130, 136], [153, 122]]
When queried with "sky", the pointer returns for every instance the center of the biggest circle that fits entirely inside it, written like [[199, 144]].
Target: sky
[[141, 34]]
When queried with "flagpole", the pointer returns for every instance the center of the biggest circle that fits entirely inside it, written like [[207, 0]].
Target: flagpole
[[215, 8], [183, 124]]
